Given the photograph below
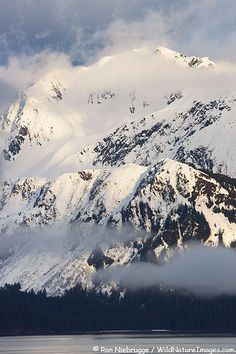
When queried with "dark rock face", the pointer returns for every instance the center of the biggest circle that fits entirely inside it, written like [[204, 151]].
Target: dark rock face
[[183, 225], [98, 260], [112, 151], [173, 97], [200, 156], [100, 97], [57, 91], [19, 130], [14, 146], [86, 176]]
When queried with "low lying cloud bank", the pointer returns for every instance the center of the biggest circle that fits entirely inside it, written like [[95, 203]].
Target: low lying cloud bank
[[204, 271], [196, 269]]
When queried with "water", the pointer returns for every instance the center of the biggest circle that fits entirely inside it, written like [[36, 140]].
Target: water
[[113, 343]]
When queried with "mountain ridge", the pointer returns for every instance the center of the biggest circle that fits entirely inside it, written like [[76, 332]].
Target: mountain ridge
[[134, 142]]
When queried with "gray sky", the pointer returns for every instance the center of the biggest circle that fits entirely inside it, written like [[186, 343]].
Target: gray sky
[[82, 27], [32, 32]]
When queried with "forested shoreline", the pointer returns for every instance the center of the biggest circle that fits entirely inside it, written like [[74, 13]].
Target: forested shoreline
[[80, 310]]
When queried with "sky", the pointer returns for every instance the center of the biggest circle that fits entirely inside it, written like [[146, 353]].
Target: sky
[[81, 28], [34, 35]]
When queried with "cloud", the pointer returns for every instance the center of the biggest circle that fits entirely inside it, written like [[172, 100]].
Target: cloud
[[81, 28], [55, 256], [122, 35], [61, 237], [204, 271], [23, 70], [8, 91], [204, 28], [36, 36], [200, 270]]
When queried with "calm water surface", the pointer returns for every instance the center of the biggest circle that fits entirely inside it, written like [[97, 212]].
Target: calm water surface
[[112, 343]]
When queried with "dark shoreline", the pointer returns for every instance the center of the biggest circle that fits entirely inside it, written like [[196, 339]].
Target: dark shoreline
[[148, 312], [153, 333]]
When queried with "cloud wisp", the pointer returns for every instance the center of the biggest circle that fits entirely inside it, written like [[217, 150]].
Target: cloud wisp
[[22, 71], [204, 271]]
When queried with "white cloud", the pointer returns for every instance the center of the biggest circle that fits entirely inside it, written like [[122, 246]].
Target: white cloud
[[203, 28], [205, 271], [122, 35], [86, 30], [22, 71], [81, 28]]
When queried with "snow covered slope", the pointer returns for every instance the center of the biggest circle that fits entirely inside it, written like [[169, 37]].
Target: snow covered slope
[[192, 61], [142, 196], [172, 201], [108, 196], [73, 108], [140, 141], [198, 132]]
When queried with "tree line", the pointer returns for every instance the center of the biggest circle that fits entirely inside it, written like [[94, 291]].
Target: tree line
[[81, 310]]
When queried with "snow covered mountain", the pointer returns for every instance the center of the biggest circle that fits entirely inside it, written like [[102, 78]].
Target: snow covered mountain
[[192, 61], [191, 133], [142, 140], [73, 109], [172, 201]]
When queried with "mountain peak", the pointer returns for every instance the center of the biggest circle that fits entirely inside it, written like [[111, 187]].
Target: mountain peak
[[192, 61]]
